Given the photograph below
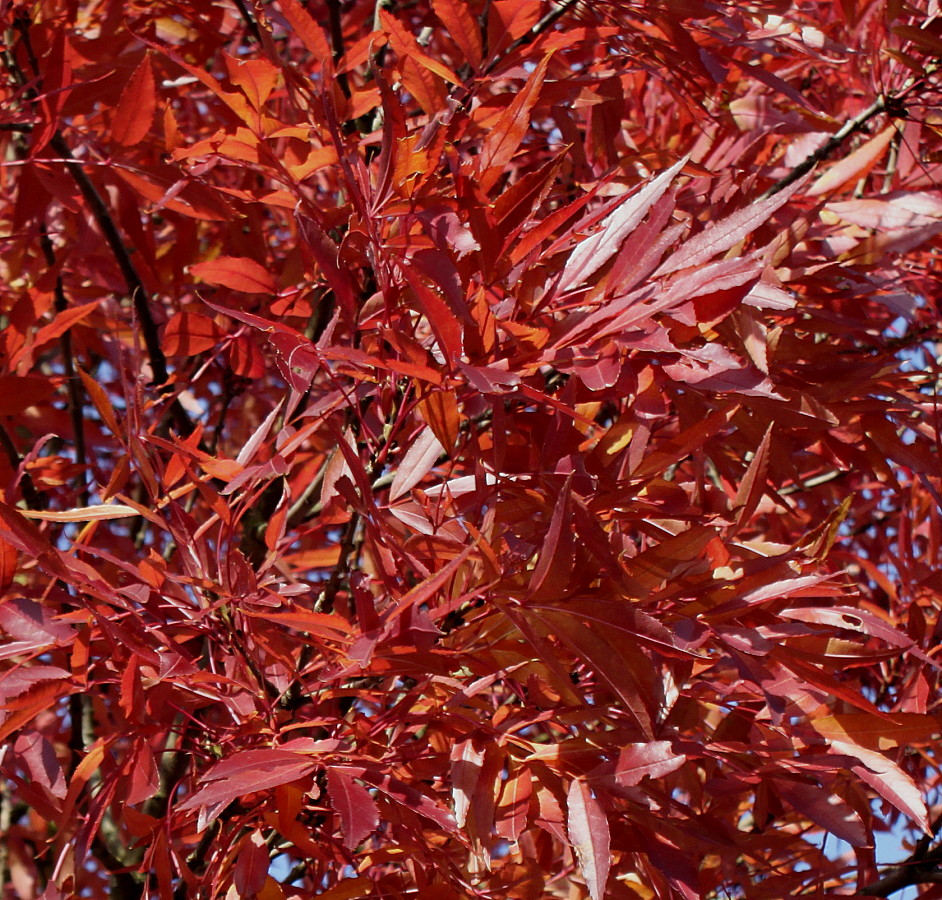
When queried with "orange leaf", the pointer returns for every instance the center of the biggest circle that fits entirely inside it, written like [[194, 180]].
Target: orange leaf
[[855, 165], [407, 47], [514, 807], [187, 334], [875, 733], [256, 77], [307, 31], [102, 403], [236, 272], [462, 28], [504, 138]]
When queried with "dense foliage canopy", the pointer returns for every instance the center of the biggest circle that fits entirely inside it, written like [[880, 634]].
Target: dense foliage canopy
[[469, 449]]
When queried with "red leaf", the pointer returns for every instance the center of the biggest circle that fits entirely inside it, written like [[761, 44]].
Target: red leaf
[[236, 272], [246, 772], [403, 794], [18, 393], [252, 863], [625, 670], [826, 810], [135, 110], [507, 132], [718, 237], [357, 809], [654, 759], [441, 319], [556, 554], [753, 485], [462, 28], [589, 836]]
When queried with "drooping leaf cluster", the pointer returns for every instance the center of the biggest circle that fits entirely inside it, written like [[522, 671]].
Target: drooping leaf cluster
[[468, 449]]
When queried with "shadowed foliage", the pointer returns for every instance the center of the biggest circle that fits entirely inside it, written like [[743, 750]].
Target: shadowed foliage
[[478, 449]]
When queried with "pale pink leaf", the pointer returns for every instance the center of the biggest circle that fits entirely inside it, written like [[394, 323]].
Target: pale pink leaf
[[83, 513], [250, 448], [888, 780], [466, 763], [718, 237], [596, 250], [416, 463], [653, 759], [892, 212]]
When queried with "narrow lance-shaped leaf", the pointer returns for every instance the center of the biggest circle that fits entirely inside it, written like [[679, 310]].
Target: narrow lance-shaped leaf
[[588, 831], [135, 111], [359, 816], [597, 249], [416, 463], [508, 131], [717, 237]]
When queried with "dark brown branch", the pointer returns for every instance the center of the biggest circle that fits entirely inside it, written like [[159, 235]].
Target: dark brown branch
[[337, 44], [249, 20], [108, 228], [76, 393], [850, 128], [33, 498], [924, 866], [528, 37], [884, 103]]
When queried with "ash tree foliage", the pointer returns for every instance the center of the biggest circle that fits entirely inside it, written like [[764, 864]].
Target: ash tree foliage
[[478, 449]]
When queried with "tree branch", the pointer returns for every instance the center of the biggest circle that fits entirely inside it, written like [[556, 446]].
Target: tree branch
[[924, 866], [528, 37], [108, 228], [76, 393], [884, 103], [249, 20]]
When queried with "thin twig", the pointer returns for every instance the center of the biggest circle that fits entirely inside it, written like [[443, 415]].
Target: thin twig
[[528, 37], [106, 223], [76, 393], [883, 103]]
